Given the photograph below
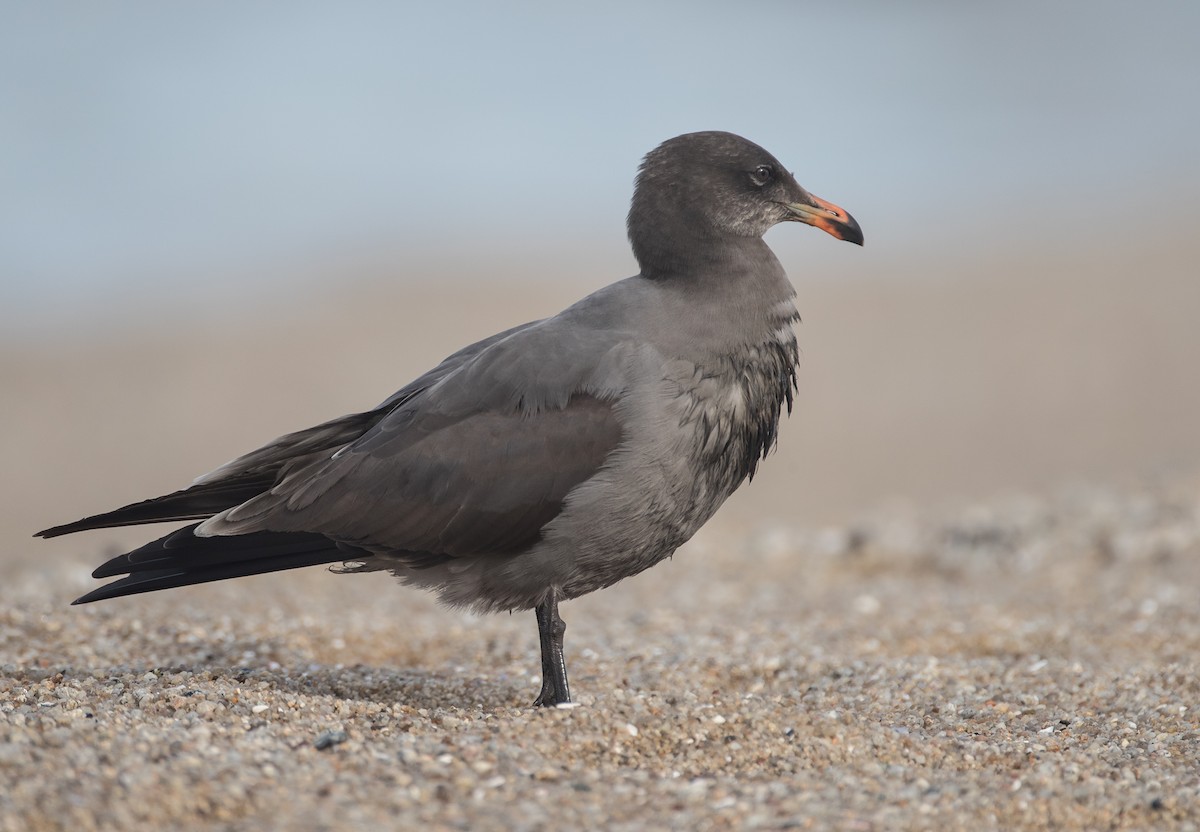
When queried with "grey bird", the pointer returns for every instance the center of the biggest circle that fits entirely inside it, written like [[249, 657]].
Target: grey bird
[[552, 459]]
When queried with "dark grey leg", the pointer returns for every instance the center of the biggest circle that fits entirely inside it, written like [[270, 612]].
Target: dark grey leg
[[555, 690]]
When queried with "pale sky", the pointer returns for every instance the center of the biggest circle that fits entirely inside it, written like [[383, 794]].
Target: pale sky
[[159, 142]]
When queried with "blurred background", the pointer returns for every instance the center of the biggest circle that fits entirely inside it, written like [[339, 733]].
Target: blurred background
[[224, 221]]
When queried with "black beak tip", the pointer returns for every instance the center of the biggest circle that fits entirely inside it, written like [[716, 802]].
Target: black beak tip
[[851, 231]]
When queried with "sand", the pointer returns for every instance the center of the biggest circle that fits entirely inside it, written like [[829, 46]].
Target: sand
[[1027, 664]]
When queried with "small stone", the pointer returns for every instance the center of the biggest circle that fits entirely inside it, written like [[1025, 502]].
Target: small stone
[[328, 739], [867, 605]]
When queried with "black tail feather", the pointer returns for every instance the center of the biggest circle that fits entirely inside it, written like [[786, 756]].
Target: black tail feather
[[196, 503], [182, 559], [240, 480]]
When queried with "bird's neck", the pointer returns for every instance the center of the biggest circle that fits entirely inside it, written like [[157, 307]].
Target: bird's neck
[[688, 253], [741, 297]]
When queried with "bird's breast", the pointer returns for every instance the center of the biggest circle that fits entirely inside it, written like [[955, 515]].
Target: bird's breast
[[729, 407]]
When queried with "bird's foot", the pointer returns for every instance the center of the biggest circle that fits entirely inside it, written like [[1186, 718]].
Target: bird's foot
[[551, 696]]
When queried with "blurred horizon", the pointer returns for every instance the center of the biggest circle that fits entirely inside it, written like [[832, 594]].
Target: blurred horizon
[[226, 154]]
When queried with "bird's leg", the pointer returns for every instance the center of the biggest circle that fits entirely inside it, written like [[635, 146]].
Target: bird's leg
[[555, 690]]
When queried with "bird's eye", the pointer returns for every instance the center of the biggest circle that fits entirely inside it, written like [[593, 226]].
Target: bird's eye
[[762, 175]]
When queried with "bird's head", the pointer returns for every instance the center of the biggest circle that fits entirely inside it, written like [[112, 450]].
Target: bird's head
[[715, 185]]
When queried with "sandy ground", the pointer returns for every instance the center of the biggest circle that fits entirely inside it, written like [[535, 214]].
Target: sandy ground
[[1027, 664], [875, 634]]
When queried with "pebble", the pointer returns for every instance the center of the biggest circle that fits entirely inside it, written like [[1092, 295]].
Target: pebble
[[328, 739]]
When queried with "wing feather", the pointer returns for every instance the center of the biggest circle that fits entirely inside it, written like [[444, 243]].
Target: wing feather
[[484, 483]]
